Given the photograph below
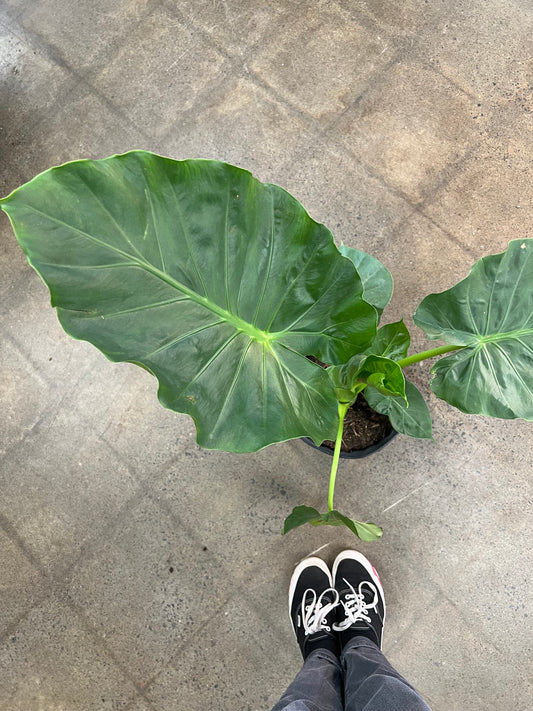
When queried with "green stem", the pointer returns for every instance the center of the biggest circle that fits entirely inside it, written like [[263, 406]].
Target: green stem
[[343, 407], [417, 357]]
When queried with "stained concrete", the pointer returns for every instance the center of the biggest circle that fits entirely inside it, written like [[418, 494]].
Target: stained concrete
[[139, 572]]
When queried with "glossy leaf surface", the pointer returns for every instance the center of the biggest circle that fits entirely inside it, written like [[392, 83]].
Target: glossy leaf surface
[[410, 418], [391, 341], [306, 514], [382, 373], [216, 283], [490, 313], [377, 280]]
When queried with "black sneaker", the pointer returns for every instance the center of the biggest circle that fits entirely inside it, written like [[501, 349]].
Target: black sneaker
[[362, 603], [312, 603]]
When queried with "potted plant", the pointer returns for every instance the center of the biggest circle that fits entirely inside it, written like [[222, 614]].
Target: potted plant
[[226, 290]]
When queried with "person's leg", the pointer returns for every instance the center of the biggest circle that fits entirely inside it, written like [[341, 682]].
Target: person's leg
[[370, 682], [312, 603], [316, 687]]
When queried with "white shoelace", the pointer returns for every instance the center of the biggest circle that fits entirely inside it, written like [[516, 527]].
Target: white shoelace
[[315, 611], [355, 606]]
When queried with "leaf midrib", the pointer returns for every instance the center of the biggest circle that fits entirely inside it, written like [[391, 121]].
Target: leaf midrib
[[235, 321]]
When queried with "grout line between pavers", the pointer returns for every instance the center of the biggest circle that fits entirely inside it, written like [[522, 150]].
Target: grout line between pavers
[[37, 371], [100, 642], [84, 78], [206, 98], [480, 632], [453, 238], [179, 525], [186, 643], [11, 532], [133, 703], [33, 40], [197, 29], [437, 597], [12, 628]]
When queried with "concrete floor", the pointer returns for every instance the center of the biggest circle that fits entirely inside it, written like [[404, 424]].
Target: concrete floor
[[138, 571]]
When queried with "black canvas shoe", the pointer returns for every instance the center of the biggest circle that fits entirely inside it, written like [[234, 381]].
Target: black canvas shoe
[[362, 603], [312, 603]]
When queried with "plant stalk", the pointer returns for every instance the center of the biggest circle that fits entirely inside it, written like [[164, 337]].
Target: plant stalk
[[343, 408], [431, 353]]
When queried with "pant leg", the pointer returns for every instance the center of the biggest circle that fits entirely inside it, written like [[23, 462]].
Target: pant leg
[[316, 687], [371, 683]]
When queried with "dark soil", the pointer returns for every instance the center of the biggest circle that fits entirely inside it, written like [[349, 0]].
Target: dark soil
[[363, 427]]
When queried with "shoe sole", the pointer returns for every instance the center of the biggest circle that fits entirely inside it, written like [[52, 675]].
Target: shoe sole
[[360, 558], [303, 565]]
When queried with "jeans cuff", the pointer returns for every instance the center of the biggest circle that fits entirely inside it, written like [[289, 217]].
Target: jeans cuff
[[324, 654], [359, 642]]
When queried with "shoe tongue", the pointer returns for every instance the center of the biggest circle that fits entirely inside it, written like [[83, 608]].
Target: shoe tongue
[[368, 595]]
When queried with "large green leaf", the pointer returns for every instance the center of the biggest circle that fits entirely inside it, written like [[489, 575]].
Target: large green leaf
[[410, 417], [216, 283], [490, 313], [377, 280]]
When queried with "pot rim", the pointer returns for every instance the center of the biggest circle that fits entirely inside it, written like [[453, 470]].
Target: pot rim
[[356, 454]]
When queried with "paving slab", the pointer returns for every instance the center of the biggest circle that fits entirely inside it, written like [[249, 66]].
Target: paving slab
[[86, 38], [139, 704], [147, 588], [357, 207], [25, 71], [399, 19], [489, 201], [200, 671], [484, 48], [241, 124], [94, 127], [322, 79], [412, 126], [61, 487], [24, 391], [161, 61], [233, 25], [31, 326], [458, 670], [116, 401], [50, 661], [21, 584]]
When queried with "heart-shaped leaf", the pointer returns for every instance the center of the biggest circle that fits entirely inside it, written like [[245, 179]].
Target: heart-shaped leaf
[[305, 514], [377, 280], [391, 341], [216, 283], [299, 516], [490, 313], [411, 419]]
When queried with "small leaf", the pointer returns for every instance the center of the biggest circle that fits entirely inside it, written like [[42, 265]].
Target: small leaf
[[383, 373], [391, 341], [377, 280], [306, 514], [364, 531], [299, 516], [414, 420]]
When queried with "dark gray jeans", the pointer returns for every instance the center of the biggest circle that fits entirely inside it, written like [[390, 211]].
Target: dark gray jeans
[[363, 680]]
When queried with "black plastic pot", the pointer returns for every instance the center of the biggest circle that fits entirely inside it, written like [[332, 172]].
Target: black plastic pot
[[358, 454]]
